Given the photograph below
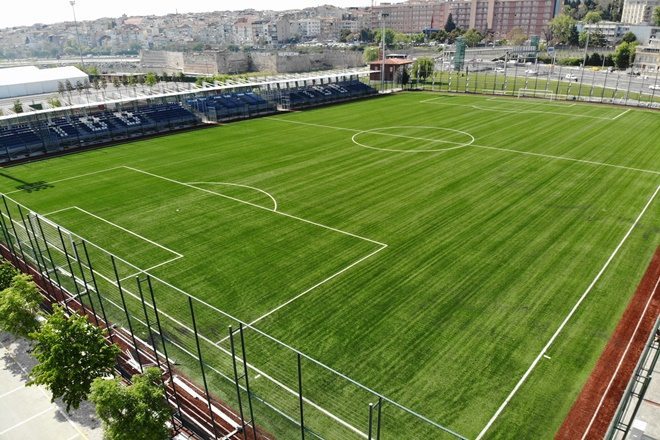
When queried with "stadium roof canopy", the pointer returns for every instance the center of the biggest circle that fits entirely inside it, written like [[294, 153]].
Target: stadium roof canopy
[[30, 80]]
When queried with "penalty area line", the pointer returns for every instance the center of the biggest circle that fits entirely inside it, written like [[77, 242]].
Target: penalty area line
[[568, 317], [305, 292]]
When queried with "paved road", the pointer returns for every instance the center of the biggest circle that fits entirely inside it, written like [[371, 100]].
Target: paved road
[[26, 412]]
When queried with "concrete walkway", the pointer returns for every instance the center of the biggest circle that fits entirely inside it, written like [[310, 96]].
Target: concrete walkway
[[27, 412]]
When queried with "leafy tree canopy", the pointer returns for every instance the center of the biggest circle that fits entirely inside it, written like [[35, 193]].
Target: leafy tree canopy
[[71, 353], [19, 305], [135, 412]]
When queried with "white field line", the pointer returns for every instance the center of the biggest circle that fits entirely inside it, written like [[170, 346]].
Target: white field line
[[621, 114], [70, 178], [566, 319], [432, 101], [527, 153], [242, 186], [373, 130], [165, 248], [155, 266], [305, 292], [623, 356], [549, 156], [139, 270], [58, 211], [208, 191], [376, 131], [514, 100]]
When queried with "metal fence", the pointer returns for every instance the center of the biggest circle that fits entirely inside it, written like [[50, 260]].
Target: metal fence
[[251, 385], [562, 83], [633, 397]]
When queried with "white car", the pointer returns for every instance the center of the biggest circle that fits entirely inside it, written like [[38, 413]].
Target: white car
[[499, 69], [654, 87], [531, 72], [571, 77]]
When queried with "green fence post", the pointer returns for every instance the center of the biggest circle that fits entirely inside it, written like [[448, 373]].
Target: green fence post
[[128, 317], [238, 388], [98, 293], [201, 366], [247, 381], [300, 398]]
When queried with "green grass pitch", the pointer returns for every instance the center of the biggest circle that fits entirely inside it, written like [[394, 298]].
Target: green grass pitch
[[427, 246]]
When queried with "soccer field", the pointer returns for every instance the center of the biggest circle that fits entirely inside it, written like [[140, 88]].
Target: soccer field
[[466, 257]]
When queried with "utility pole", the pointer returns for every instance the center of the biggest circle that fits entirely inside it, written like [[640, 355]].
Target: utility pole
[[75, 22], [383, 16]]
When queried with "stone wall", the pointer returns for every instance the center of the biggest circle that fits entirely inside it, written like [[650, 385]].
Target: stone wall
[[209, 63]]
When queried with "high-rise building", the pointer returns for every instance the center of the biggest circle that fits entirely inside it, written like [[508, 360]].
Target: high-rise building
[[496, 16], [638, 11]]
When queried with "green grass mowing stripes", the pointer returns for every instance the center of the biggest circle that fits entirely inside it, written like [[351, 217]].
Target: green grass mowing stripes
[[488, 249]]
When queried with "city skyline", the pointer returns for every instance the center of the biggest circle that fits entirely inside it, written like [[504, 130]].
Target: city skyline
[[54, 11]]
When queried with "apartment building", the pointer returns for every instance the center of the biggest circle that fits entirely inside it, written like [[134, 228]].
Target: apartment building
[[638, 11], [497, 16]]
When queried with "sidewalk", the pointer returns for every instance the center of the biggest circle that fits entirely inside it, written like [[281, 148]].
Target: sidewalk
[[26, 412]]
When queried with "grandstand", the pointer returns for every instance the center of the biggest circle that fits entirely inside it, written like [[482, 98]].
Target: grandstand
[[58, 130], [315, 95]]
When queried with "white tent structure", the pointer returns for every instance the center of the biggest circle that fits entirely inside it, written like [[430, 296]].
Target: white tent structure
[[22, 81]]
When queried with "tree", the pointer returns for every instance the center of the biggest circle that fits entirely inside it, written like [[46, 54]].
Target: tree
[[629, 37], [472, 37], [439, 36], [450, 25], [150, 79], [71, 353], [562, 28], [18, 106], [516, 36], [593, 17], [405, 77], [61, 89], [371, 54], [366, 35], [69, 88], [343, 35], [624, 55], [389, 37], [7, 273], [423, 68], [656, 16], [19, 306], [54, 102], [135, 412], [596, 39]]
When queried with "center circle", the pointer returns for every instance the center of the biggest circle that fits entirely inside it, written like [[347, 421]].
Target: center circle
[[450, 139]]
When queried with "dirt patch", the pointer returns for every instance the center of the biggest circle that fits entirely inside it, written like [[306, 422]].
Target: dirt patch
[[592, 413]]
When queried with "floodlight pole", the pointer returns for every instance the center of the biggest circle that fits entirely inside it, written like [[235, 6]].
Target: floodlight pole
[[75, 22], [584, 62], [383, 16]]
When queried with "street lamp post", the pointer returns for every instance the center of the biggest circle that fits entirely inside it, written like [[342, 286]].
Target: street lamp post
[[383, 16], [75, 22]]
